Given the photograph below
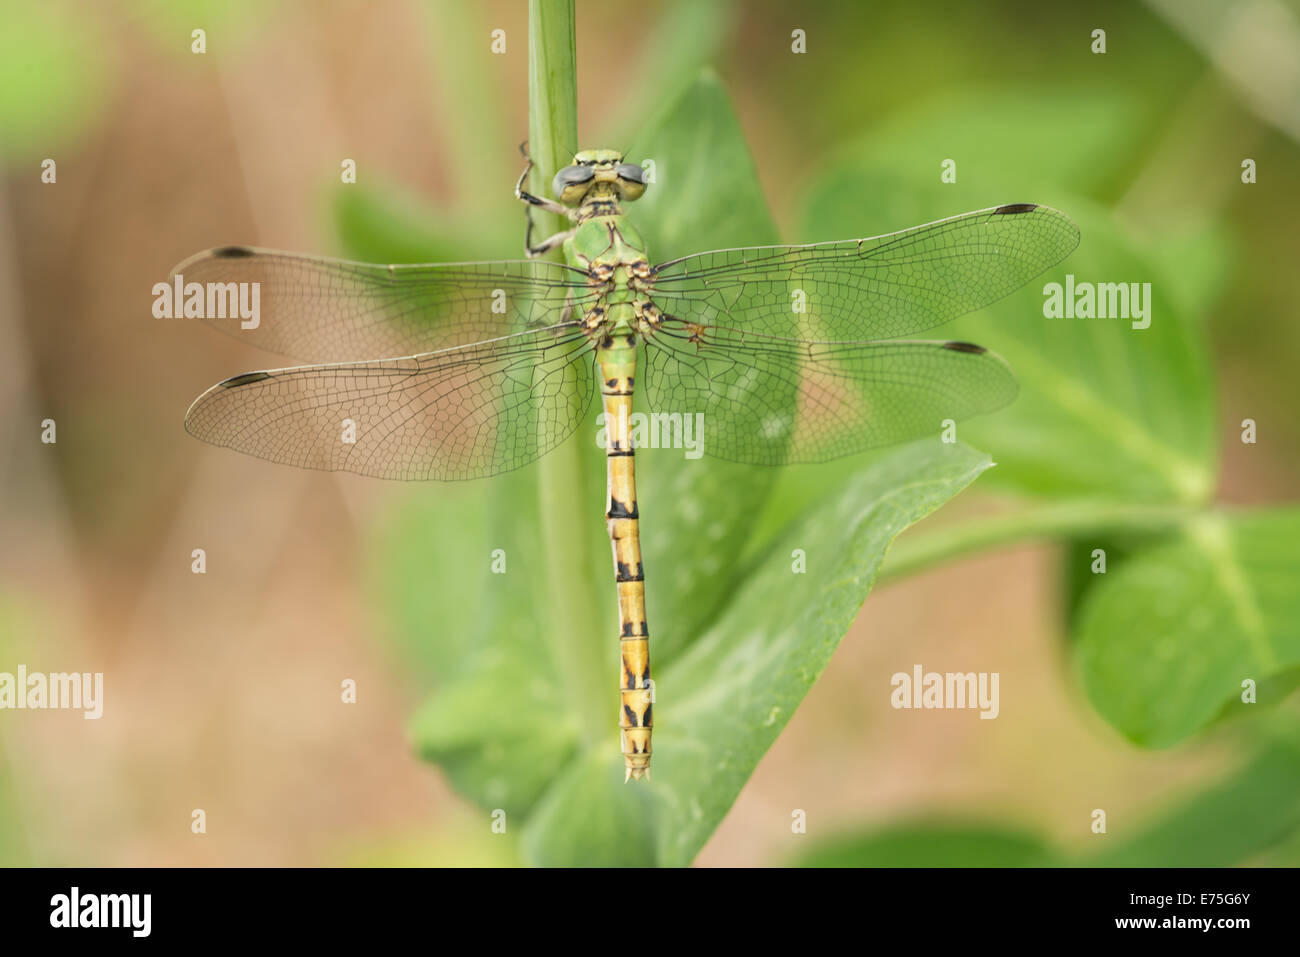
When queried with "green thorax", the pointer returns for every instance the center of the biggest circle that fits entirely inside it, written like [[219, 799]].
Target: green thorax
[[608, 239], [611, 250]]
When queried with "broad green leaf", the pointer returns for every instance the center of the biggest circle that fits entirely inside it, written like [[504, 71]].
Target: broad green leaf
[[501, 730], [419, 573], [723, 702], [677, 43], [592, 818], [385, 224], [1197, 260], [1105, 410], [1008, 146], [705, 194], [1250, 814], [932, 844], [461, 572], [1166, 641], [1077, 577], [1255, 808]]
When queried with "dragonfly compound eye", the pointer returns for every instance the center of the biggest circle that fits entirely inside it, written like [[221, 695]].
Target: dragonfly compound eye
[[570, 177], [631, 179], [630, 172]]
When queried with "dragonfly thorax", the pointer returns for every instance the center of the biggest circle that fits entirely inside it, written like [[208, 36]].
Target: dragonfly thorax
[[608, 246]]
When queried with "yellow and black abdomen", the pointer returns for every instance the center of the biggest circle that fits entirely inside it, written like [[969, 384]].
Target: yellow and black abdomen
[[617, 360]]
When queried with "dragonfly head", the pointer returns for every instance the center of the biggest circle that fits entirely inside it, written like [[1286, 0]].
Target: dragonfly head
[[590, 167]]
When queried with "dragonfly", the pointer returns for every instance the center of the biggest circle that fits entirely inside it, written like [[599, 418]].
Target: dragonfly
[[457, 371]]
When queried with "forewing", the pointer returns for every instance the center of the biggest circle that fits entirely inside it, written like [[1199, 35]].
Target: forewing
[[315, 309], [865, 289], [461, 413]]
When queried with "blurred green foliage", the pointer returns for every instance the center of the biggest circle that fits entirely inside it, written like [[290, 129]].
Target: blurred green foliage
[[1114, 437], [1113, 442], [1253, 811], [16, 621], [1167, 640], [54, 79]]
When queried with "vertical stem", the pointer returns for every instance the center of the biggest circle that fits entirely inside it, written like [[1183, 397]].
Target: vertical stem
[[584, 655], [552, 96]]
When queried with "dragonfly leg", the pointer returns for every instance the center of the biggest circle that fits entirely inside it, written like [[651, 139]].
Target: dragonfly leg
[[550, 205], [546, 245], [547, 204]]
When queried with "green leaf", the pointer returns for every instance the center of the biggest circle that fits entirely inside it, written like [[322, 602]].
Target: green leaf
[[1166, 641], [705, 193], [418, 572], [722, 703], [1105, 410], [460, 570], [933, 844], [1250, 811], [500, 730], [1250, 815], [1076, 571], [1055, 143], [678, 42], [385, 224], [591, 818]]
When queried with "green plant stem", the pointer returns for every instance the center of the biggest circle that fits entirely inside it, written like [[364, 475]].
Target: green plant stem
[[575, 627], [915, 552]]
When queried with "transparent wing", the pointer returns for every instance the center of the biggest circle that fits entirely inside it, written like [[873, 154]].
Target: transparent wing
[[862, 289], [461, 413], [768, 401], [330, 310]]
